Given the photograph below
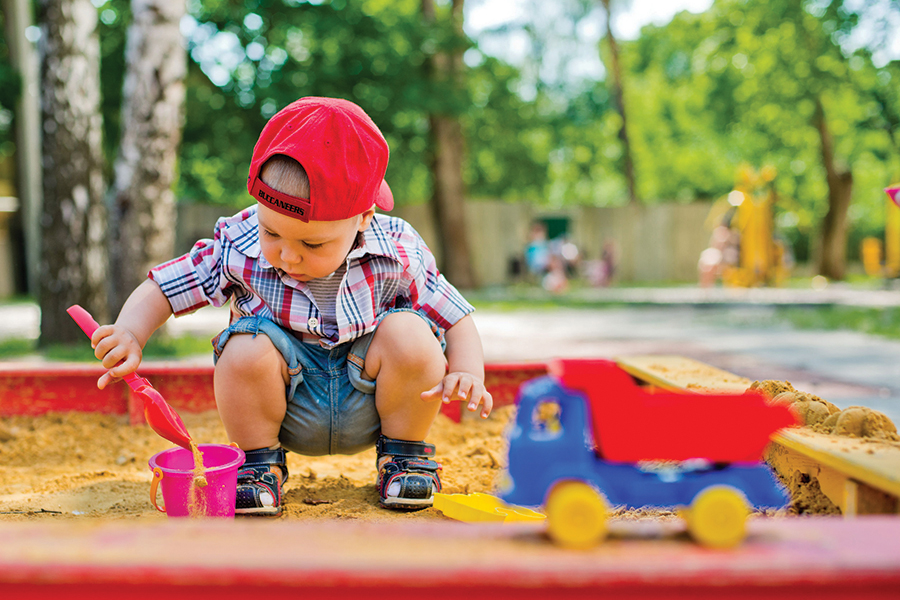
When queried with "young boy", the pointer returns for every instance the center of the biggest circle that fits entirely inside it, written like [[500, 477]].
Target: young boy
[[343, 333]]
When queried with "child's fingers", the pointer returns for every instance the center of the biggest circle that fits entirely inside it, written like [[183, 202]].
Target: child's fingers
[[480, 395], [466, 384], [450, 382], [434, 393], [487, 402], [113, 356], [105, 380], [129, 365]]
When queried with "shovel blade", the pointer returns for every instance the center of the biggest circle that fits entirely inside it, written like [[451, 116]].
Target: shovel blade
[[162, 418]]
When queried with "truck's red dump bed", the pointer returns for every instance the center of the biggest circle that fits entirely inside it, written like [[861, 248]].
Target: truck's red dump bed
[[631, 424]]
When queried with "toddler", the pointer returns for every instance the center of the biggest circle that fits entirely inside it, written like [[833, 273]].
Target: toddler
[[343, 333]]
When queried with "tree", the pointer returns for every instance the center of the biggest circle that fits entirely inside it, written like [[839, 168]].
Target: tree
[[767, 82], [615, 83], [447, 147], [73, 263], [142, 209], [833, 258], [20, 92]]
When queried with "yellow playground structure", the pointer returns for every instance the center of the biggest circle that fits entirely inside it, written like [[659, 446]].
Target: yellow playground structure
[[743, 250], [883, 260]]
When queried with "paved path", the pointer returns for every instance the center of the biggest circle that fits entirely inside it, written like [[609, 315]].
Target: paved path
[[845, 368], [737, 334]]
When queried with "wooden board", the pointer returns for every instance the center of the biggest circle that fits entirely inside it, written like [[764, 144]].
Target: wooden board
[[868, 461], [782, 558], [679, 373]]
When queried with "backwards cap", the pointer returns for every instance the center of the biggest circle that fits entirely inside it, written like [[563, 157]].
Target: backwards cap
[[340, 148]]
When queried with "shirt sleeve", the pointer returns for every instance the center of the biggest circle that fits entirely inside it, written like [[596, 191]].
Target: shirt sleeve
[[430, 291], [196, 279]]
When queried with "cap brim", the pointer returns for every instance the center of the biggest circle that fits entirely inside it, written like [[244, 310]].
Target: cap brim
[[385, 199]]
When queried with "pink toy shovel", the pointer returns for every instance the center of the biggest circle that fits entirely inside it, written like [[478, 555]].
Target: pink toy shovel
[[160, 416]]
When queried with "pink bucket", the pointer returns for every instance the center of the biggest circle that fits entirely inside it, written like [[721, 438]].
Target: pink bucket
[[173, 471]]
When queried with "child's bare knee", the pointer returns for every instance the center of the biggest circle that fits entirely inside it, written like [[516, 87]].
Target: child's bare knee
[[406, 339], [250, 355]]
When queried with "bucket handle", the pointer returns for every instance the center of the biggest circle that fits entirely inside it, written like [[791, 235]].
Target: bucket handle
[[157, 477]]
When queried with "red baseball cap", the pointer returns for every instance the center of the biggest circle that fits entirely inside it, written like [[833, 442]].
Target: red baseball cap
[[342, 151]]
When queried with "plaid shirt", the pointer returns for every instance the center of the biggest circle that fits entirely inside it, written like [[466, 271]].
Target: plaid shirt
[[390, 267]]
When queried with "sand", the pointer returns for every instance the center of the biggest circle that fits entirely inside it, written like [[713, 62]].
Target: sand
[[88, 465], [65, 466], [83, 465]]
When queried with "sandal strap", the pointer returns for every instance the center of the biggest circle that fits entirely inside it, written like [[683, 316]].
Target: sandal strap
[[392, 447], [412, 473], [265, 457], [411, 466]]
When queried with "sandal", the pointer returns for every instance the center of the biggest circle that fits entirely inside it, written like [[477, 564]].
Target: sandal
[[408, 479], [258, 486]]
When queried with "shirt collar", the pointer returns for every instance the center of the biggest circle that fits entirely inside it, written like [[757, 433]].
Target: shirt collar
[[375, 240]]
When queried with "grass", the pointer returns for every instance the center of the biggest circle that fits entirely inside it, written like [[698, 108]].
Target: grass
[[883, 322], [156, 349]]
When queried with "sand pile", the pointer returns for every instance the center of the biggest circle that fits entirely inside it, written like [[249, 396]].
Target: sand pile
[[855, 422], [824, 417]]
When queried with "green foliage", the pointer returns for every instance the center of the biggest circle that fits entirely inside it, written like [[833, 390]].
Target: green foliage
[[705, 94], [114, 19], [738, 84], [247, 65], [508, 139], [16, 348], [157, 348]]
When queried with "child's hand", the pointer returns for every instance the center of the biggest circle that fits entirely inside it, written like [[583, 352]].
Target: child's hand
[[119, 351], [466, 387]]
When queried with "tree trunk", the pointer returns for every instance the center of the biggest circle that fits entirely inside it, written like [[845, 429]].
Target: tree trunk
[[833, 258], [142, 210], [18, 16], [615, 72], [74, 261], [448, 148]]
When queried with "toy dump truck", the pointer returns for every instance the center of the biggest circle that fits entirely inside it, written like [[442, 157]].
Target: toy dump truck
[[587, 438]]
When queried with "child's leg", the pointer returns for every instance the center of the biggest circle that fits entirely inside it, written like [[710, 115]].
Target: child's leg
[[250, 382], [405, 359]]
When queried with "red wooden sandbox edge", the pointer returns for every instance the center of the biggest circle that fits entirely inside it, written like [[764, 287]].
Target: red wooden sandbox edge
[[37, 388]]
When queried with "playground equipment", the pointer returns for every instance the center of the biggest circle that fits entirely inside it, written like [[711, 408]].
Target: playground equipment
[[588, 438], [744, 251], [887, 263]]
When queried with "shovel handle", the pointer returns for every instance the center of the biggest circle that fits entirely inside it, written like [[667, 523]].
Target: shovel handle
[[83, 319]]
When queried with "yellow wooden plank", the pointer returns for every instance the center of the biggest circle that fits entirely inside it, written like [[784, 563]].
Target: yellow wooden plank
[[869, 461], [679, 373]]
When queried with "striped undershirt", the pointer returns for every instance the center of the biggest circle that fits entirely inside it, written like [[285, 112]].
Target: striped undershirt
[[325, 292]]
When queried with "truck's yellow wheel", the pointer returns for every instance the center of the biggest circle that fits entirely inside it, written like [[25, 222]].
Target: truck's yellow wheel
[[717, 517], [576, 515]]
